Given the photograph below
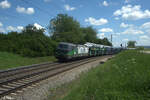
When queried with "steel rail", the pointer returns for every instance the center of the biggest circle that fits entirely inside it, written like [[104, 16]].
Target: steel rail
[[41, 70], [25, 69], [36, 77]]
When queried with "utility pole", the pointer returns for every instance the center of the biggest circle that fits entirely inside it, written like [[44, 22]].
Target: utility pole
[[111, 38], [111, 43]]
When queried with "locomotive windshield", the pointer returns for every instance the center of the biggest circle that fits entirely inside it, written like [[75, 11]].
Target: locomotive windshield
[[62, 46], [65, 46]]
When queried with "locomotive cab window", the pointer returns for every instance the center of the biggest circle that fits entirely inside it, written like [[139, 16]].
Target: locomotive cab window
[[62, 46], [66, 46]]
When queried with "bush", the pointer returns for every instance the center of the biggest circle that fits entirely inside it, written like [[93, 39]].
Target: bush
[[140, 48], [34, 44]]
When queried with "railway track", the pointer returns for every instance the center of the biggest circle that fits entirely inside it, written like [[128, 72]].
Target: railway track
[[16, 79]]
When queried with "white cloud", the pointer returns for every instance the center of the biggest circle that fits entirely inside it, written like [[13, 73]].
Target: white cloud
[[101, 35], [130, 12], [20, 9], [105, 30], [25, 10], [145, 37], [105, 3], [2, 30], [116, 44], [30, 10], [146, 25], [144, 40], [117, 33], [1, 24], [20, 28], [5, 4], [11, 28], [123, 25], [132, 31], [116, 18], [94, 21], [147, 31], [125, 40], [38, 26], [69, 8]]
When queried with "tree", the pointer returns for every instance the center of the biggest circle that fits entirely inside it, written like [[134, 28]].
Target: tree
[[105, 41], [31, 42], [65, 28], [131, 44], [89, 34], [31, 29]]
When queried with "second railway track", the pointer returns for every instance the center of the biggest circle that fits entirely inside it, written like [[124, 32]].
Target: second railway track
[[15, 80]]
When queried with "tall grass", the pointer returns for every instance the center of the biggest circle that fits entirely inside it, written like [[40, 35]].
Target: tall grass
[[125, 77], [9, 60]]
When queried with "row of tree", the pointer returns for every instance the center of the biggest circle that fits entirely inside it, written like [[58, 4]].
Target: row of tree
[[65, 28], [33, 42], [30, 42], [131, 44]]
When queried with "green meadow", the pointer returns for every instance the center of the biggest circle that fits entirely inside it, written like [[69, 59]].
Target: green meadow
[[124, 77], [9, 60]]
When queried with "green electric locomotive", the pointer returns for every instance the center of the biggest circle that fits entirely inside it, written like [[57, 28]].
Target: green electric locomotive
[[67, 51]]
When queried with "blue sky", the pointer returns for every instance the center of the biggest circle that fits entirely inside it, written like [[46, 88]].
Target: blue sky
[[124, 19]]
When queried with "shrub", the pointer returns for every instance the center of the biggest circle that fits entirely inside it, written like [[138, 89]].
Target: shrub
[[25, 44]]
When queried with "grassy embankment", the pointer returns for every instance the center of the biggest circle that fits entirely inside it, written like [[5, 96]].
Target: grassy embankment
[[125, 77], [148, 49], [8, 60]]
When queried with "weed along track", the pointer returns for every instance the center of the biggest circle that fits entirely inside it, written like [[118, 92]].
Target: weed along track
[[16, 79]]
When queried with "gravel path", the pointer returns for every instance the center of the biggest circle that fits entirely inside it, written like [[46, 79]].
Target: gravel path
[[40, 90]]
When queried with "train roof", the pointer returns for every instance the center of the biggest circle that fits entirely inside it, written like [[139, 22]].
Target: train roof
[[79, 45], [88, 44], [95, 45], [107, 46]]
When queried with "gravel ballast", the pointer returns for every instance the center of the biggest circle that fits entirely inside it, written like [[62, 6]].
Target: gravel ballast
[[40, 91]]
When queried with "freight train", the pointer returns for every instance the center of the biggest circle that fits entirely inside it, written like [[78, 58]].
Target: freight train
[[67, 51]]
